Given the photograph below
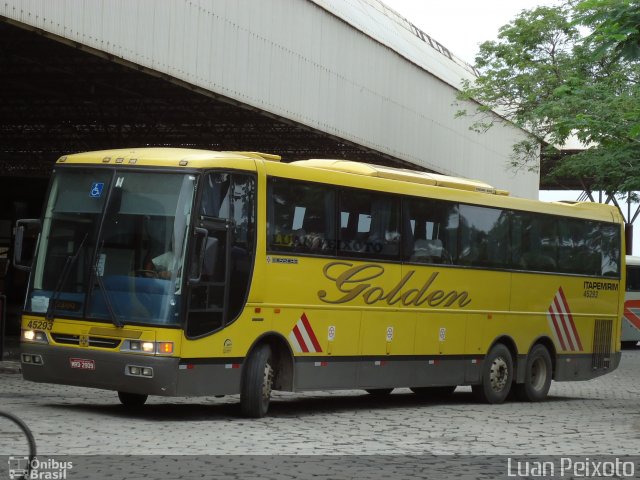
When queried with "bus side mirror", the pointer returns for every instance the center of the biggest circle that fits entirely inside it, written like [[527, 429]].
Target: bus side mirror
[[200, 237], [27, 231]]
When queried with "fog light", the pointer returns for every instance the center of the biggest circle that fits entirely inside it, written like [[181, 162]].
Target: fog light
[[147, 372], [26, 358], [134, 370], [37, 359]]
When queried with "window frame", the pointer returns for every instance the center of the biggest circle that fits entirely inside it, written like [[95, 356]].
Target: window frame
[[405, 236]]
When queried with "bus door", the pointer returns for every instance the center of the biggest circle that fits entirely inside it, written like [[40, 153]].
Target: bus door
[[222, 258]]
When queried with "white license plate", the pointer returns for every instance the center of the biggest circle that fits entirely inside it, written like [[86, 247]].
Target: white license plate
[[82, 363]]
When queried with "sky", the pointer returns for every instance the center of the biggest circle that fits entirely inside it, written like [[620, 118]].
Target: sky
[[461, 26]]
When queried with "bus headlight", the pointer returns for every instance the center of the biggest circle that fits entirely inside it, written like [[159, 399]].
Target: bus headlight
[[157, 348], [34, 336]]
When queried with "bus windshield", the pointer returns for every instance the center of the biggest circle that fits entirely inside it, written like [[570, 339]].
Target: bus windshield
[[112, 246]]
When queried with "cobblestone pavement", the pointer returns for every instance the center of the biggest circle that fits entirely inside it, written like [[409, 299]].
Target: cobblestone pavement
[[601, 416]]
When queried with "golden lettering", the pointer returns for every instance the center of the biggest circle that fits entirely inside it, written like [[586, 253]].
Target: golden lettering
[[395, 290], [419, 300], [435, 298], [357, 282], [462, 298], [348, 277]]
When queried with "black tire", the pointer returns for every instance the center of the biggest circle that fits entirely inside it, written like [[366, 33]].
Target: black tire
[[629, 345], [436, 392], [257, 382], [132, 400], [497, 376], [379, 392], [537, 376], [30, 439]]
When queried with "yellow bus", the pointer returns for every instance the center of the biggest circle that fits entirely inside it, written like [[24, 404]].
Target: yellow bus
[[184, 272]]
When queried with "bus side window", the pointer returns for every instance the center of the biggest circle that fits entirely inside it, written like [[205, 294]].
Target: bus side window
[[369, 224], [534, 241], [484, 236], [579, 247], [430, 231], [301, 217], [633, 278], [609, 245]]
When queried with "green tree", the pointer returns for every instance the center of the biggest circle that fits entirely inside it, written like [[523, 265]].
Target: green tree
[[563, 71], [616, 27]]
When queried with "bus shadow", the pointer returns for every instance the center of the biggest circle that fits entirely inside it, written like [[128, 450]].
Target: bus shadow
[[336, 404], [290, 406]]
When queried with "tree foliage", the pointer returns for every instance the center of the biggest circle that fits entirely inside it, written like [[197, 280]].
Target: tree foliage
[[566, 71]]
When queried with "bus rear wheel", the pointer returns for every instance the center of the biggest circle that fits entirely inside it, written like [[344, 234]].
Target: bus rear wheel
[[257, 382], [497, 376], [537, 376], [132, 399]]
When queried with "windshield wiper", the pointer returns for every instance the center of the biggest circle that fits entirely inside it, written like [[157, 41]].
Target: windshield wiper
[[107, 300], [68, 265]]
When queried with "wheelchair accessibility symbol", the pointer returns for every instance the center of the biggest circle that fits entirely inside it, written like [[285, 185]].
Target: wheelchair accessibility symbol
[[96, 189]]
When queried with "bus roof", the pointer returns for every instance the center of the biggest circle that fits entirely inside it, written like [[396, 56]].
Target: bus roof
[[632, 260], [397, 180], [161, 157], [403, 174], [347, 173]]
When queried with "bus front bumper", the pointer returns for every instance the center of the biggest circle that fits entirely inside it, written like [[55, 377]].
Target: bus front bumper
[[111, 370]]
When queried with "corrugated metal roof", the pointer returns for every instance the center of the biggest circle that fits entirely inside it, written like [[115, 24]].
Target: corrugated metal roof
[[385, 25], [352, 69]]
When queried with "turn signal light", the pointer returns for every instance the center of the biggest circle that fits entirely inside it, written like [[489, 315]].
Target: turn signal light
[[165, 347]]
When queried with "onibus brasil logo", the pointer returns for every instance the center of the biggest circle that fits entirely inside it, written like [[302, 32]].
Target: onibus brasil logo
[[38, 469], [30, 466]]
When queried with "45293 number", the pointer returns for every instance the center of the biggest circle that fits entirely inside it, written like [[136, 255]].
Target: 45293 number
[[40, 324]]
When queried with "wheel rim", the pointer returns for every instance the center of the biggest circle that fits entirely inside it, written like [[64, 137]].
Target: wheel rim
[[268, 381], [538, 374], [499, 374]]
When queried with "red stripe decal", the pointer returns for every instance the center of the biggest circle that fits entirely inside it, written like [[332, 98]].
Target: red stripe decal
[[557, 328], [563, 322], [310, 332], [573, 325], [629, 314], [301, 341]]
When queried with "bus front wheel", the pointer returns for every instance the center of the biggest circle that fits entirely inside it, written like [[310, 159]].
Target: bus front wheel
[[257, 382], [132, 399], [537, 376], [497, 376]]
